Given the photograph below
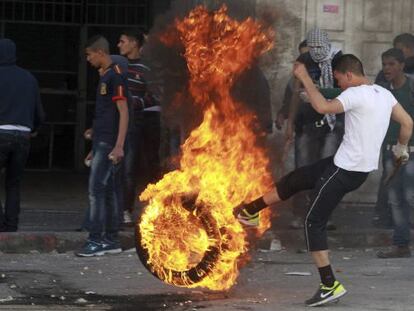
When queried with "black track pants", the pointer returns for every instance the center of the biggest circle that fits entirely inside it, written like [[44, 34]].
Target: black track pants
[[329, 184]]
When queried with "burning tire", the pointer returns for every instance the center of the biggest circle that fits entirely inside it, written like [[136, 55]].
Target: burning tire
[[198, 213]]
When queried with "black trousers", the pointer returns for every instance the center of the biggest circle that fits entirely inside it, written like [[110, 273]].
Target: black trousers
[[14, 150], [328, 184], [142, 161]]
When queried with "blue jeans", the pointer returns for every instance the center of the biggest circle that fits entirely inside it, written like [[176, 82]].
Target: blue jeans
[[400, 197], [382, 208], [104, 195], [311, 145], [14, 150]]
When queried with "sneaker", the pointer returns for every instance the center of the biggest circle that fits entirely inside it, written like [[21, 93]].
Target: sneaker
[[127, 220], [326, 294], [247, 219], [89, 249], [110, 247], [395, 252]]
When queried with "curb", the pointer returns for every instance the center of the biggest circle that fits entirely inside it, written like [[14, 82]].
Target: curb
[[46, 242], [61, 242]]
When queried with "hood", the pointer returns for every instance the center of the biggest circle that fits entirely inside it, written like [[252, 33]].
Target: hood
[[7, 52]]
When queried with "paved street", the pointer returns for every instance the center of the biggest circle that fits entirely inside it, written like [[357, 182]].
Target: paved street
[[120, 282]]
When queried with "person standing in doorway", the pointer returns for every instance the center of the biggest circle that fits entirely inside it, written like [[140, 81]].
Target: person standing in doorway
[[21, 113]]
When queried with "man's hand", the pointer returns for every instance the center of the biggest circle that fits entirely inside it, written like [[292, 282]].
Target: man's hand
[[88, 134], [299, 71], [88, 159], [400, 152], [116, 155], [303, 95]]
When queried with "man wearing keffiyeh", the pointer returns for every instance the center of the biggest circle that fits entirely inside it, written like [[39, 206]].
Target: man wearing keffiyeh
[[322, 52], [317, 136]]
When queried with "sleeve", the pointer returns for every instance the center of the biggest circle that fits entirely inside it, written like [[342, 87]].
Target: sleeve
[[151, 97], [347, 99], [330, 93], [118, 88]]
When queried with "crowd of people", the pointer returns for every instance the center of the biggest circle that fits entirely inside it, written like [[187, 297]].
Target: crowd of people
[[340, 122], [330, 97]]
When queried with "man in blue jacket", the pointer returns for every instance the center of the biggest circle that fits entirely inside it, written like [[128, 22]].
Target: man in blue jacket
[[20, 115]]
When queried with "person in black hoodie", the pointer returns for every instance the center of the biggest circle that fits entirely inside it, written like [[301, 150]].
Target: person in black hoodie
[[20, 115]]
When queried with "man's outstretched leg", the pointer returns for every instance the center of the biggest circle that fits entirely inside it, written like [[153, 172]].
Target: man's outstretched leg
[[303, 178]]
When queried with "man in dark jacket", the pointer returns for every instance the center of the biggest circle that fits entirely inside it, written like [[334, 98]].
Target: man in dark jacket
[[20, 115]]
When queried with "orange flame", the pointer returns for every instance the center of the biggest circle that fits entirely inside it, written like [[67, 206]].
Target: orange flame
[[198, 243]]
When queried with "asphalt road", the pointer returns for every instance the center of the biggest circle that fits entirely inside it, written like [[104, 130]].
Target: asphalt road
[[120, 282]]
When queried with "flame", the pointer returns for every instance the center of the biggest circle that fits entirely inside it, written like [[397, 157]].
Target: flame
[[188, 230]]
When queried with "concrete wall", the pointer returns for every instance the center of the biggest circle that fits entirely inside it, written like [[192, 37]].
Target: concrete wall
[[363, 27], [289, 29]]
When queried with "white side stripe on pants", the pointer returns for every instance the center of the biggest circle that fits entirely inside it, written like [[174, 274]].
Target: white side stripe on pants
[[313, 205]]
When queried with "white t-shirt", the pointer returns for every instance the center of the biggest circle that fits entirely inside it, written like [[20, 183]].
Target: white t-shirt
[[367, 116]]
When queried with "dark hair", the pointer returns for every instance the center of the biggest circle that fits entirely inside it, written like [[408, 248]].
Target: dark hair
[[395, 53], [302, 45], [136, 34], [349, 63], [406, 39], [98, 42]]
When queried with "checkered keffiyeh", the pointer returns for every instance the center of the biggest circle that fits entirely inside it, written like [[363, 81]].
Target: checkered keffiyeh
[[321, 51]]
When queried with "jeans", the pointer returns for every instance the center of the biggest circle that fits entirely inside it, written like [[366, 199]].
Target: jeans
[[382, 208], [312, 144], [104, 195], [14, 150], [400, 197]]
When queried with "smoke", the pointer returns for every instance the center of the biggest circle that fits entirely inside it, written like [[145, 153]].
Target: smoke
[[171, 73]]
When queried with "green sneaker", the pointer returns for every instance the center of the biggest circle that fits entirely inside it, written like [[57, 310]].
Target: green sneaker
[[326, 294], [247, 219]]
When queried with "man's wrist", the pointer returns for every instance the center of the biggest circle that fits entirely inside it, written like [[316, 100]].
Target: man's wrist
[[307, 81]]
